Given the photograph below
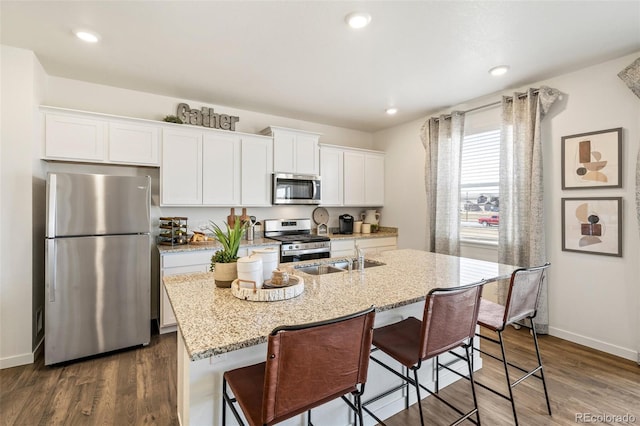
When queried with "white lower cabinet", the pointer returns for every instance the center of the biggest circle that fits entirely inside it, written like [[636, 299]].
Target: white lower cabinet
[[342, 248], [173, 264], [346, 247]]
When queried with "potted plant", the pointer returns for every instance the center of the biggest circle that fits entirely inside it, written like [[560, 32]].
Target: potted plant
[[223, 262]]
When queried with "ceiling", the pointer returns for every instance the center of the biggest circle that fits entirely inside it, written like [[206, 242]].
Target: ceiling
[[298, 58]]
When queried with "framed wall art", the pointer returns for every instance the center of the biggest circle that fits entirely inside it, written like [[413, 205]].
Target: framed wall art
[[592, 225], [592, 160]]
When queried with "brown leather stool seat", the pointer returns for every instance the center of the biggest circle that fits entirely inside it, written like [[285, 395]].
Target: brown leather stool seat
[[449, 322], [307, 366], [521, 304]]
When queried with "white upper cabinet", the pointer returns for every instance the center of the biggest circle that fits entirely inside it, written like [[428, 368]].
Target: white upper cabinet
[[133, 143], [374, 179], [294, 151], [221, 164], [97, 138], [351, 177], [181, 169], [332, 173], [215, 168], [69, 137], [257, 167], [354, 180]]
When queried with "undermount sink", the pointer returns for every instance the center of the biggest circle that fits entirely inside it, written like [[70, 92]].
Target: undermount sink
[[368, 263], [338, 266], [319, 269]]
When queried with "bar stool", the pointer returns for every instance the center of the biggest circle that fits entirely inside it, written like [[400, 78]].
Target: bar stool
[[521, 304], [307, 365], [449, 322]]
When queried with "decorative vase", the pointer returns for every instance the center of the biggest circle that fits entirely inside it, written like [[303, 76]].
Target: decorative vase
[[370, 216], [225, 273]]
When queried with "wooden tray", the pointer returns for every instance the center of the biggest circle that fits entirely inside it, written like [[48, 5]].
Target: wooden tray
[[294, 289]]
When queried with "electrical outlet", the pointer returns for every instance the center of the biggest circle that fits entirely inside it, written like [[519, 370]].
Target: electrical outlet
[[39, 323]]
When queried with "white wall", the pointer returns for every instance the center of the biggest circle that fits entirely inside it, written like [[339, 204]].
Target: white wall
[[74, 94], [594, 300], [20, 80]]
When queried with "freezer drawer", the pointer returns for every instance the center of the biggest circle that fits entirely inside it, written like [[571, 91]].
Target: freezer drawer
[[97, 295]]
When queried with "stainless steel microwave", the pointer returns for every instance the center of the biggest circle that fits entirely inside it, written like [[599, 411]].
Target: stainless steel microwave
[[296, 189]]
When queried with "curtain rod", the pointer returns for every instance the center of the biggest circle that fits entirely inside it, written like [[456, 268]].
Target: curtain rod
[[492, 104]]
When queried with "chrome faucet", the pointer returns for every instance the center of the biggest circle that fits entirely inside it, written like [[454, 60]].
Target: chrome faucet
[[360, 254]]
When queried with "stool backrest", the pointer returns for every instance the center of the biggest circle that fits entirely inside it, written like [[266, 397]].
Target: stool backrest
[[450, 317], [311, 364], [524, 292]]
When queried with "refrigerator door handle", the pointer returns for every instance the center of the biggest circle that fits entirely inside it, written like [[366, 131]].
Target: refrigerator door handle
[[52, 189], [50, 275]]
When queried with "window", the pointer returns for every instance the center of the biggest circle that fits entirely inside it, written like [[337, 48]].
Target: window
[[479, 190]]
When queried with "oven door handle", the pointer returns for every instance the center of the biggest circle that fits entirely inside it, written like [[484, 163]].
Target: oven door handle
[[305, 251]]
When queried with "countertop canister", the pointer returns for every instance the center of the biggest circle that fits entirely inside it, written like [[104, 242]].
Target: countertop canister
[[270, 257], [250, 270]]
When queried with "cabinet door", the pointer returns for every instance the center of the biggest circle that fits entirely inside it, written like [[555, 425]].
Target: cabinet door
[[133, 144], [181, 171], [257, 167], [221, 170], [332, 174], [342, 248], [74, 138], [374, 179], [284, 152], [354, 178], [307, 154]]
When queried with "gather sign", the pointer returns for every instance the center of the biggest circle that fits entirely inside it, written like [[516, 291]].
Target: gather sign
[[206, 117]]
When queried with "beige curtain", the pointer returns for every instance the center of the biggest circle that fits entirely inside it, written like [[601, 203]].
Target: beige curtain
[[521, 235], [442, 141]]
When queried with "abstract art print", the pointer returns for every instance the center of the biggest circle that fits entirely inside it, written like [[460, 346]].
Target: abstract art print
[[592, 160], [592, 225]]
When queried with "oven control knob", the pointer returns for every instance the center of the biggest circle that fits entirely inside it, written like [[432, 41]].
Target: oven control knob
[[297, 246]]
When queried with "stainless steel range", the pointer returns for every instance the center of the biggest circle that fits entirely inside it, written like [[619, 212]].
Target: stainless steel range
[[298, 243]]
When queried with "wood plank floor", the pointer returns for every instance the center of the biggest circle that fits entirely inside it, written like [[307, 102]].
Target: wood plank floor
[[138, 387]]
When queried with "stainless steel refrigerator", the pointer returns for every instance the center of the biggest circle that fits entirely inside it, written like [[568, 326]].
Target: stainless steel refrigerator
[[98, 264]]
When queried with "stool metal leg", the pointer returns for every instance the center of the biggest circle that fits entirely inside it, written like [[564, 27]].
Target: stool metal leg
[[506, 373], [544, 382], [415, 375]]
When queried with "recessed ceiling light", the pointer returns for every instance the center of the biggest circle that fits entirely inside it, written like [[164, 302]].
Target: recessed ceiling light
[[358, 20], [391, 111], [499, 70], [87, 36]]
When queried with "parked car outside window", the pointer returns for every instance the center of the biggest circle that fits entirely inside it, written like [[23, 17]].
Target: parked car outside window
[[493, 220]]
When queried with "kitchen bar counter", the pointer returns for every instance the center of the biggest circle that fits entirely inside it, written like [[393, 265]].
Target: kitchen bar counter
[[218, 332], [212, 321]]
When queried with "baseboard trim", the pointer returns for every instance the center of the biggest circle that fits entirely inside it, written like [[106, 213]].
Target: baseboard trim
[[17, 360], [609, 348], [24, 359]]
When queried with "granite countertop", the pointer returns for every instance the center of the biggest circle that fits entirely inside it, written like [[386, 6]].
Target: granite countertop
[[214, 245], [212, 321], [384, 231]]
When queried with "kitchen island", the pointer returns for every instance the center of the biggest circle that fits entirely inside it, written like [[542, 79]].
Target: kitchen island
[[218, 332]]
